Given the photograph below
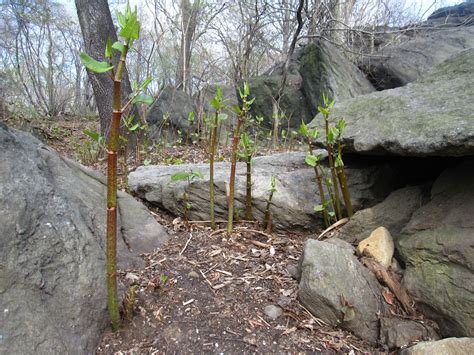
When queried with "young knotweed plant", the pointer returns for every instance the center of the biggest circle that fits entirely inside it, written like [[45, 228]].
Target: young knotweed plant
[[334, 147], [315, 162], [242, 113], [330, 140], [248, 150], [218, 104], [188, 176], [129, 31], [267, 219], [93, 148]]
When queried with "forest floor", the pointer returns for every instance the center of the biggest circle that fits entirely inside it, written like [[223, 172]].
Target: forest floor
[[206, 292]]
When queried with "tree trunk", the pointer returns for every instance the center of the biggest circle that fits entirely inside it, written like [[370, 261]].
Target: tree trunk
[[96, 26], [189, 21]]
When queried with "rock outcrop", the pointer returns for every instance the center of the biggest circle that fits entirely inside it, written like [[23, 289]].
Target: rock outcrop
[[437, 247], [52, 258], [293, 202], [398, 65], [170, 112], [431, 117], [315, 69]]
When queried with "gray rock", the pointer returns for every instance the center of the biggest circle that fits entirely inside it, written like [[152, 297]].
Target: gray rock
[[272, 311], [315, 69], [293, 201], [330, 275], [437, 246], [397, 333], [457, 14], [449, 346], [398, 65], [170, 111], [431, 117], [52, 257], [393, 213]]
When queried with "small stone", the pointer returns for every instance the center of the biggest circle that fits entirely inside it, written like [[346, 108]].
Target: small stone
[[293, 271], [193, 274], [132, 277], [379, 245], [272, 311]]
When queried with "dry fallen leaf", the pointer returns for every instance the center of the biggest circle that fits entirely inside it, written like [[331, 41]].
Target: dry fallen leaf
[[387, 296]]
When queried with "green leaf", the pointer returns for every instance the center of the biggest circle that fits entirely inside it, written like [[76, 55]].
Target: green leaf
[[95, 136], [134, 127], [188, 205], [147, 162], [273, 184], [311, 160], [108, 48], [221, 117], [319, 208], [180, 176], [146, 83], [304, 129], [131, 29], [237, 109], [94, 65], [191, 116], [323, 110], [195, 174], [313, 133], [118, 46], [341, 125], [143, 99], [246, 89], [121, 19]]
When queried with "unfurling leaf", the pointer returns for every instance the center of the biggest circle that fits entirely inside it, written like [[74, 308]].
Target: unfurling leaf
[[118, 46], [311, 160], [108, 48], [94, 65], [143, 99], [319, 208]]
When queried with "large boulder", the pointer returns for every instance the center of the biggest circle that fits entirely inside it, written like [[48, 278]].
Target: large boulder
[[431, 117], [293, 201], [338, 289], [170, 111], [393, 213], [437, 247], [315, 69], [448, 346], [398, 65], [52, 257]]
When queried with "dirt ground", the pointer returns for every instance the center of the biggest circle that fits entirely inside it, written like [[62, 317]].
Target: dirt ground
[[206, 292]]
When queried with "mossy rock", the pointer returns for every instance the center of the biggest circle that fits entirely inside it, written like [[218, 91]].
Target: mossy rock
[[431, 117]]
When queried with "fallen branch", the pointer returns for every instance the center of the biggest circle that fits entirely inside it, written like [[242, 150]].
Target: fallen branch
[[386, 277]]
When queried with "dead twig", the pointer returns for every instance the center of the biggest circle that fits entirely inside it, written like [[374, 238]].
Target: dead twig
[[339, 223], [186, 245]]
